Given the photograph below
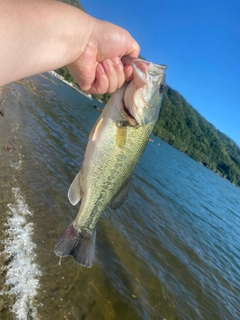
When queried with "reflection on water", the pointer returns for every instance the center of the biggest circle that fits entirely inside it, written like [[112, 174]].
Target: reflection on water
[[171, 252]]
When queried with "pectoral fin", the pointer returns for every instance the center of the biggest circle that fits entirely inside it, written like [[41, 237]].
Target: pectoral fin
[[120, 198], [75, 192], [96, 129]]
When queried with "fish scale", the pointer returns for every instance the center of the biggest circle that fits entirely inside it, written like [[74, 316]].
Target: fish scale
[[103, 180]]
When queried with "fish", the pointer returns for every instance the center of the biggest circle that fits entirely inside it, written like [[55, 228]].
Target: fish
[[115, 145]]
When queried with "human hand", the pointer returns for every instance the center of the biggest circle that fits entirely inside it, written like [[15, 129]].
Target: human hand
[[99, 69]]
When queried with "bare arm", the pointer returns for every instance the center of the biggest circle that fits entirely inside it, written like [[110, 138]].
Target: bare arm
[[38, 36]]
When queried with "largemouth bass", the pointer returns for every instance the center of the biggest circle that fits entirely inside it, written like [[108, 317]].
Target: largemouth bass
[[115, 145]]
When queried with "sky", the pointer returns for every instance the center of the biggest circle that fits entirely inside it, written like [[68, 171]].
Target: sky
[[199, 41]]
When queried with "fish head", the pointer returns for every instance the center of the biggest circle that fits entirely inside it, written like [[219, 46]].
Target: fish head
[[143, 95]]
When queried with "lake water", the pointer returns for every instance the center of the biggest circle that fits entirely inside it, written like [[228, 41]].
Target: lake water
[[171, 252]]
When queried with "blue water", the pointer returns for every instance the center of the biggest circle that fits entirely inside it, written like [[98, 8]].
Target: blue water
[[171, 252]]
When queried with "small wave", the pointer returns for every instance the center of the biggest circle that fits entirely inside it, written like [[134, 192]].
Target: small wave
[[22, 272]]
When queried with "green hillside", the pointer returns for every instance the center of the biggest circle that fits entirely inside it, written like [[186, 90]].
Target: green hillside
[[183, 127]]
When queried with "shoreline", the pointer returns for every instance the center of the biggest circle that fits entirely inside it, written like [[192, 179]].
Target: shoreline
[[9, 153], [16, 228], [12, 157]]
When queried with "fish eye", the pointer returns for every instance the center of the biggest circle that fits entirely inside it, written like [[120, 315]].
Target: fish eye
[[161, 88]]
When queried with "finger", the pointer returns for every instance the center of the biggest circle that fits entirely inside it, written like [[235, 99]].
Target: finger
[[111, 73], [119, 71], [84, 78], [101, 83], [84, 84], [128, 72]]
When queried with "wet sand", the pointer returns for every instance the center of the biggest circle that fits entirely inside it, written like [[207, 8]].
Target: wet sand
[[10, 114]]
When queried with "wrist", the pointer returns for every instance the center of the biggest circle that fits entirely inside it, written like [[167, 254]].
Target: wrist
[[78, 35]]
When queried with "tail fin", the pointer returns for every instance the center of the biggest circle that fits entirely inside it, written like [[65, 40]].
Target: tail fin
[[80, 245]]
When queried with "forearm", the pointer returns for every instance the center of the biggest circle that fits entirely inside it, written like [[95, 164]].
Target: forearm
[[38, 36]]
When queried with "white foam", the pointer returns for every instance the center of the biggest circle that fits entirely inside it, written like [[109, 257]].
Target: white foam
[[22, 271], [18, 165]]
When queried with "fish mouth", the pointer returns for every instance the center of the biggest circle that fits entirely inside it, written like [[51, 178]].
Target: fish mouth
[[128, 113], [130, 118]]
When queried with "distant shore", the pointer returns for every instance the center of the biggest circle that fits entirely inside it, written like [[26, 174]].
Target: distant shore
[[58, 76], [98, 104]]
